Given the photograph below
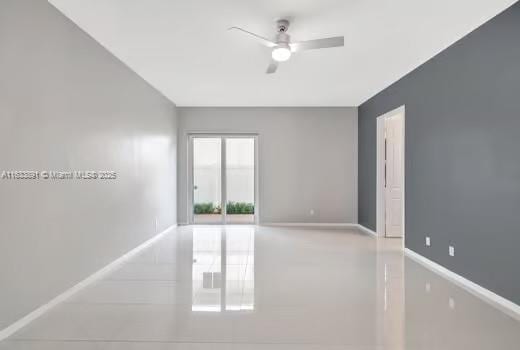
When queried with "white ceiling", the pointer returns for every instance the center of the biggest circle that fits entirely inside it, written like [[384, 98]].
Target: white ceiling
[[183, 48]]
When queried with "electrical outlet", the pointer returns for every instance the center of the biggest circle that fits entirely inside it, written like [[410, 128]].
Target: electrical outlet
[[451, 250], [311, 212], [428, 241], [428, 287]]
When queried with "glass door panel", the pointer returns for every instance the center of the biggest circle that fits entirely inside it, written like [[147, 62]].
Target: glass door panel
[[207, 180], [240, 180]]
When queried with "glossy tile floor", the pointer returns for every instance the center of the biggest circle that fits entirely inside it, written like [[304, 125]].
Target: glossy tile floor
[[267, 288]]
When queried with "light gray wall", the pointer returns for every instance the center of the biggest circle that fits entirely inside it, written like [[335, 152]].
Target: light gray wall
[[462, 155], [307, 159], [67, 104]]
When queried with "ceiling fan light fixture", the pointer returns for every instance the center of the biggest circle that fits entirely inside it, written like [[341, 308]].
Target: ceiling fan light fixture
[[281, 53], [282, 47]]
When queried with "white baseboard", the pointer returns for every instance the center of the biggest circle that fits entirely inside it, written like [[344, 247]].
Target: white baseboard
[[310, 224], [6, 332], [318, 225], [482, 293], [366, 230], [284, 224], [323, 225]]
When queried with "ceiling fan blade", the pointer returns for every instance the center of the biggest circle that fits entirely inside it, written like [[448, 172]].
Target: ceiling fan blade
[[318, 44], [260, 38], [272, 67]]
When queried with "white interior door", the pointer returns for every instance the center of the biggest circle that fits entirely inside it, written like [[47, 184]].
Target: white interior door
[[394, 176]]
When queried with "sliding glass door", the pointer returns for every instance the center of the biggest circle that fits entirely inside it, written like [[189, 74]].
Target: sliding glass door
[[223, 179]]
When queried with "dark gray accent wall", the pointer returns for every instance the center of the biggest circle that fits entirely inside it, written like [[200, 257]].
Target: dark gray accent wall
[[462, 155]]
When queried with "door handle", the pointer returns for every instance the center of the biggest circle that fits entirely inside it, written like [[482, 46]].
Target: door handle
[[195, 187]]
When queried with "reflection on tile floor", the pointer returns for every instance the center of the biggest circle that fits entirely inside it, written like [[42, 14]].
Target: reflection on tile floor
[[268, 288]]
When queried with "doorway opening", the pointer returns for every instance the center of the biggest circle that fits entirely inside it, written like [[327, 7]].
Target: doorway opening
[[391, 174], [223, 179]]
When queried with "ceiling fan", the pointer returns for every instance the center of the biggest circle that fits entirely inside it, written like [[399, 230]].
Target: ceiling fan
[[283, 47]]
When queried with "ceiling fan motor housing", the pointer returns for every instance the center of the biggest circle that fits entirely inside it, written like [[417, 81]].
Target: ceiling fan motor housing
[[283, 38]]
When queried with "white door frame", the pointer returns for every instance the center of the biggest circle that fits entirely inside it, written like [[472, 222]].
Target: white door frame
[[380, 192], [223, 137]]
